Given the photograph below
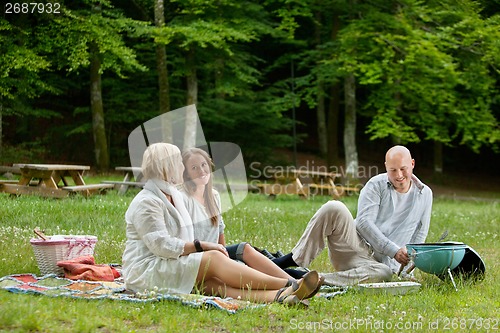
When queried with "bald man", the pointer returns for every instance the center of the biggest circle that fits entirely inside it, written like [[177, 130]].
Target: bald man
[[394, 209]]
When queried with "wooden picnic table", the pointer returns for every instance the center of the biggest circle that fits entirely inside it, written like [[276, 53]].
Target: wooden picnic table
[[130, 173], [52, 180], [301, 182]]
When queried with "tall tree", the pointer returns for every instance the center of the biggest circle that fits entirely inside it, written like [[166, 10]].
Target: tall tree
[[351, 151], [413, 62], [333, 156], [350, 148], [192, 99], [321, 108], [417, 62], [96, 103], [88, 35], [20, 66], [207, 32], [161, 64]]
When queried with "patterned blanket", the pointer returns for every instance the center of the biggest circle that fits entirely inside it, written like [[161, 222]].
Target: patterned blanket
[[51, 285]]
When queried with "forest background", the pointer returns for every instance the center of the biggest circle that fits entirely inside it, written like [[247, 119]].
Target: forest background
[[341, 79]]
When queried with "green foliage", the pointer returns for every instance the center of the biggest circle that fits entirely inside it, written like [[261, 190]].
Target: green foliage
[[257, 128], [25, 152], [72, 35], [231, 98], [425, 70], [20, 63]]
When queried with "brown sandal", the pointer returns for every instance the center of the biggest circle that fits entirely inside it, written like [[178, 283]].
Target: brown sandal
[[289, 299], [320, 283], [308, 285]]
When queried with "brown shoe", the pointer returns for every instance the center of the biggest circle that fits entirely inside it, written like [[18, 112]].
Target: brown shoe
[[289, 299], [284, 296], [320, 283], [307, 285]]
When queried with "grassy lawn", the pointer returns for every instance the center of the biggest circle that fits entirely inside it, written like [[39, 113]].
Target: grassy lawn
[[272, 224]]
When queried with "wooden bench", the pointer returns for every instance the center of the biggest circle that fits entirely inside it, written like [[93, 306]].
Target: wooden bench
[[14, 181], [16, 189], [87, 190], [130, 174], [12, 169], [118, 184], [9, 171], [10, 186], [8, 181], [61, 192]]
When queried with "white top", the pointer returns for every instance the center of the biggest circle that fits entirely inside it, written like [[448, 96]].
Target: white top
[[204, 230], [388, 220], [152, 256], [402, 205]]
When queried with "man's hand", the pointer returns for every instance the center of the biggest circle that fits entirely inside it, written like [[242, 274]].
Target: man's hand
[[402, 256]]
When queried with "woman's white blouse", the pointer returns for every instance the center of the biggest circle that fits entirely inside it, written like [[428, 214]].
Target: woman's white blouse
[[152, 257]]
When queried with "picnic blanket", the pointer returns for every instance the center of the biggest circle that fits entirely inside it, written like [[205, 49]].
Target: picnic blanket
[[52, 285]]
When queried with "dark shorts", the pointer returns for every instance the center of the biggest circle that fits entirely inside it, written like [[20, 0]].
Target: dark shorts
[[235, 251]]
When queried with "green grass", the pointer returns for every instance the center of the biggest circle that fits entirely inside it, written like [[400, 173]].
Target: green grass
[[273, 224]]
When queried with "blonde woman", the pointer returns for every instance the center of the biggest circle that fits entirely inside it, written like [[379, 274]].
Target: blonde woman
[[162, 253]]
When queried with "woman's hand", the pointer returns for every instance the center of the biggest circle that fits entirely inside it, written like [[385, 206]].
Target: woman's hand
[[214, 246], [206, 246]]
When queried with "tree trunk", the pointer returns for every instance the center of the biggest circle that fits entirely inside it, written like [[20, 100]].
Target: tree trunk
[[320, 112], [96, 105], [219, 75], [1, 127], [333, 157], [438, 162], [351, 153], [396, 138], [192, 99], [161, 64]]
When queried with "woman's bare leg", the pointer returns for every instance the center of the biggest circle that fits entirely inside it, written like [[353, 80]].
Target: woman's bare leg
[[260, 262], [216, 287], [214, 264], [220, 275]]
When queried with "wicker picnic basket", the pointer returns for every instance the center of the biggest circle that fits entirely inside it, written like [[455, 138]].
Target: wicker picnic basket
[[61, 247]]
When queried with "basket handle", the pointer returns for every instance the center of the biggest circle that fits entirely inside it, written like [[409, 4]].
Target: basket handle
[[39, 233]]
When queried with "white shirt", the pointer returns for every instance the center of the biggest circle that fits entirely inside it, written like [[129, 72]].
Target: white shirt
[[388, 222], [152, 256], [204, 230]]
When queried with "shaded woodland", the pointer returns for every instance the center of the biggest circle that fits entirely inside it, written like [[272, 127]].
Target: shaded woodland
[[341, 79]]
